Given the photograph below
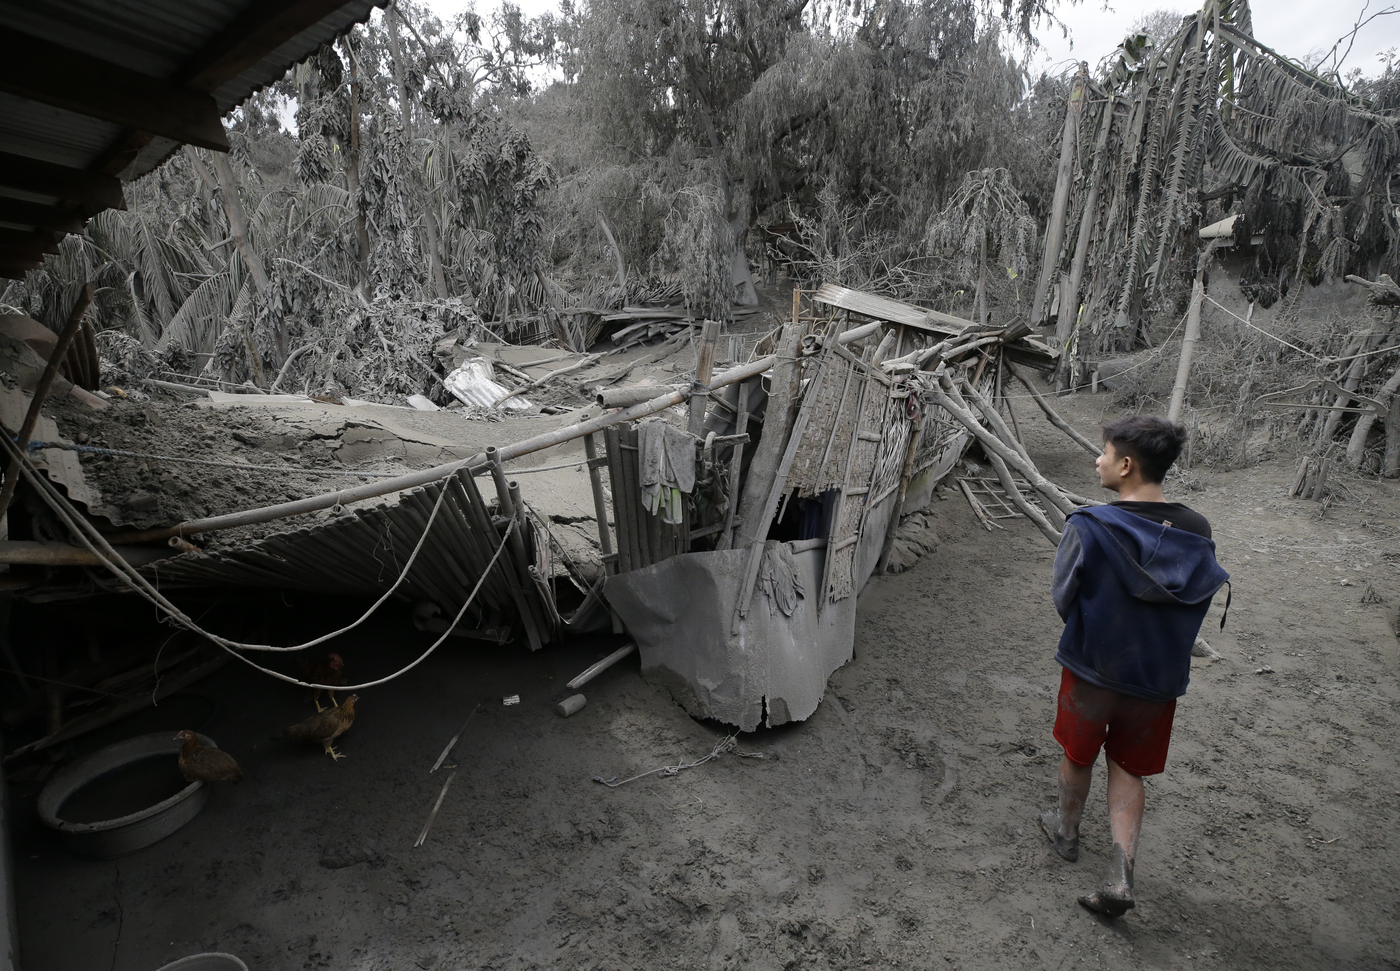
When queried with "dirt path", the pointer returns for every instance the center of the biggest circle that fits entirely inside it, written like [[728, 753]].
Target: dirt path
[[895, 828]]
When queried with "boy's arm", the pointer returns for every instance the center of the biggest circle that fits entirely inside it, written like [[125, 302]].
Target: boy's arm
[[1069, 560]]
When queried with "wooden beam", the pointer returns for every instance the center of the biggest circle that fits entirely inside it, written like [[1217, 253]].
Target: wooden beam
[[53, 218], [15, 270], [51, 74], [21, 253], [259, 30], [93, 190], [35, 243]]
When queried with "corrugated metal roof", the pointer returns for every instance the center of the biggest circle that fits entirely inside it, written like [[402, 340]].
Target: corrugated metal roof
[[188, 46], [160, 37], [52, 134], [363, 552]]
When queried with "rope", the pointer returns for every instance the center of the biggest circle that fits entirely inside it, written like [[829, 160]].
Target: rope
[[123, 453], [1315, 357], [723, 745], [99, 546]]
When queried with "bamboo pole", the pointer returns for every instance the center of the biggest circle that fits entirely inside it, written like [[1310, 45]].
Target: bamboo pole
[[1188, 350], [600, 507], [477, 462], [1193, 334], [704, 371], [1027, 508], [1054, 416], [736, 465], [41, 392], [944, 396]]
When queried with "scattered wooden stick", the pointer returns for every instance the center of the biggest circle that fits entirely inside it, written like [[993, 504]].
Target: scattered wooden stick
[[436, 806], [1051, 414], [991, 443], [450, 745], [951, 400], [566, 369], [592, 671]]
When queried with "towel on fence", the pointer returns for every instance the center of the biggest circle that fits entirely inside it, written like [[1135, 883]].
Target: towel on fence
[[666, 466]]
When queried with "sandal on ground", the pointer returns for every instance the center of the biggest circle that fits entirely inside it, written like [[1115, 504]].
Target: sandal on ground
[[1050, 825]]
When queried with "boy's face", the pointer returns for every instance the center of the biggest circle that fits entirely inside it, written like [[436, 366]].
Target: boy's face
[[1112, 467]]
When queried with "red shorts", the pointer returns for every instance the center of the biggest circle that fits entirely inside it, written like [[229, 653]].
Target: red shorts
[[1135, 733]]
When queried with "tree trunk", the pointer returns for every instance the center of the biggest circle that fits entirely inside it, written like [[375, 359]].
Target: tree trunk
[[1064, 178], [238, 221], [430, 229], [1356, 448], [352, 174], [1069, 299], [238, 229], [979, 311]]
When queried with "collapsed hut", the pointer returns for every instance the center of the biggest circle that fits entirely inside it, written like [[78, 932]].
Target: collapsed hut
[[734, 522]]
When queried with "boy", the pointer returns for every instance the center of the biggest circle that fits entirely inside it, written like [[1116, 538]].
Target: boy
[[1133, 581]]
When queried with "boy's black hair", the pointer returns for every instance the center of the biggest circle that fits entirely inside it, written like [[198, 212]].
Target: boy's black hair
[[1152, 442]]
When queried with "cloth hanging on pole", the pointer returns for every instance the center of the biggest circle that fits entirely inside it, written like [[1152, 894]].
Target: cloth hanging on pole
[[666, 468]]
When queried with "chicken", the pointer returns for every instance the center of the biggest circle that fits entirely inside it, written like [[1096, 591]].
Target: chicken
[[203, 763], [326, 726], [329, 671]]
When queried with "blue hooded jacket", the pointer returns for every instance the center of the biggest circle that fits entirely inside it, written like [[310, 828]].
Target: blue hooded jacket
[[1133, 594]]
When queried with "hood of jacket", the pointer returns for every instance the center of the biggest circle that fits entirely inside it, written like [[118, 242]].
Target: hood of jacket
[[1156, 563]]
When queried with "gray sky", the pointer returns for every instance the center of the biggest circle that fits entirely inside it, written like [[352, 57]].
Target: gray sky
[[1296, 28]]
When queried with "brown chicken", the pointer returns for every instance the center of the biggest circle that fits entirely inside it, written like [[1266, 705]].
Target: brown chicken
[[326, 726], [203, 763], [329, 671]]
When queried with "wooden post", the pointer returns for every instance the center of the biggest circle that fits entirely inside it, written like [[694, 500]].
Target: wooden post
[[704, 371], [905, 472], [1188, 340], [41, 391], [518, 583], [736, 465], [755, 507], [600, 508], [1059, 210], [1390, 465]]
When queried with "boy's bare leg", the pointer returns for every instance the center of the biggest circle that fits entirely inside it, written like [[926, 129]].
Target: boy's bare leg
[[1125, 805], [1074, 792], [1062, 825]]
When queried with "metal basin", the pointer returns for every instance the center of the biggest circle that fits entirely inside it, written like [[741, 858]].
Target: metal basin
[[210, 961], [132, 825]]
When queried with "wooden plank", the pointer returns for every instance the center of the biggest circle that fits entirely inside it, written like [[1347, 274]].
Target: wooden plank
[[894, 311], [93, 190], [51, 74], [55, 219]]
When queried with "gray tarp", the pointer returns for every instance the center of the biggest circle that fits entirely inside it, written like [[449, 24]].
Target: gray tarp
[[774, 669]]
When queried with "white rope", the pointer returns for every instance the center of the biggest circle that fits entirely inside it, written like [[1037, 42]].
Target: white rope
[[1320, 359], [98, 545]]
